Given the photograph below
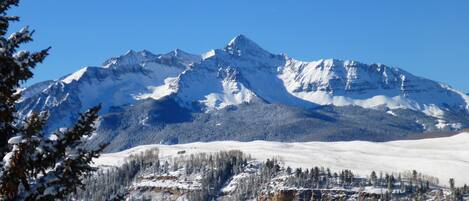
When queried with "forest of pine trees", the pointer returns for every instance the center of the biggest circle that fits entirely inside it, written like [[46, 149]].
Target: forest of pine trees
[[212, 173]]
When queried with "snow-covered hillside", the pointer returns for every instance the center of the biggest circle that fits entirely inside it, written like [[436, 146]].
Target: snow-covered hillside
[[120, 81], [243, 72], [440, 157]]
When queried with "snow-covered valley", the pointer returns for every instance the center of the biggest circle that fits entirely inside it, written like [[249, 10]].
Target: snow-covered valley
[[444, 158]]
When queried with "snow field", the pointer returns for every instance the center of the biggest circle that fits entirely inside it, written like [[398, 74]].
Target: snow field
[[443, 158]]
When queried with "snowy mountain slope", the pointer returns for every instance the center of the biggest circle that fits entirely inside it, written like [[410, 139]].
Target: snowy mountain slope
[[35, 89], [441, 157], [239, 73], [352, 83], [250, 71], [123, 80]]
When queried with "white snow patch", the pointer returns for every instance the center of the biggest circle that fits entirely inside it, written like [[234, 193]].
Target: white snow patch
[[161, 91], [442, 124], [391, 113], [233, 93], [15, 140], [144, 121], [163, 184], [433, 111], [74, 76], [208, 54]]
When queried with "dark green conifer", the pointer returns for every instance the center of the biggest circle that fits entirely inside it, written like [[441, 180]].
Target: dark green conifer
[[34, 166]]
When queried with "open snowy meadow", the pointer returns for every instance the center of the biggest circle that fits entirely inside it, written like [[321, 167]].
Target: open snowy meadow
[[444, 158]]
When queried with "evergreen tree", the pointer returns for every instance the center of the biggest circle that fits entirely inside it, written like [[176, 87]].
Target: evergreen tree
[[451, 184], [373, 178], [414, 176], [15, 67], [289, 170], [35, 167]]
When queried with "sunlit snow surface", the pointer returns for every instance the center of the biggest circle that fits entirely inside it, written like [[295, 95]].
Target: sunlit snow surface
[[74, 76], [441, 157], [242, 72]]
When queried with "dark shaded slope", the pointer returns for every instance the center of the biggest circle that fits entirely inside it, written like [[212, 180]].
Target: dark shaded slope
[[164, 121]]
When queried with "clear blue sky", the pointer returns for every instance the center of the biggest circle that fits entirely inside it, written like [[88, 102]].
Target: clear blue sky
[[429, 38]]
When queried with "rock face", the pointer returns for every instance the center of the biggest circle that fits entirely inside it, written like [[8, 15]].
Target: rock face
[[239, 74]]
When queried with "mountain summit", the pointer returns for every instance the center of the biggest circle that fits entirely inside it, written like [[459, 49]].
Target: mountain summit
[[243, 73], [243, 45]]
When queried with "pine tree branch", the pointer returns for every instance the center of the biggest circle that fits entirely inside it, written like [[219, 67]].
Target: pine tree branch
[[6, 4], [35, 167], [66, 163]]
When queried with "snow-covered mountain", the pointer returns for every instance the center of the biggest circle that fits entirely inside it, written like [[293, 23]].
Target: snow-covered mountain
[[244, 73], [120, 81]]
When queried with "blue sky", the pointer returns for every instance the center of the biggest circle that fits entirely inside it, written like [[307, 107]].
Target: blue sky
[[429, 38]]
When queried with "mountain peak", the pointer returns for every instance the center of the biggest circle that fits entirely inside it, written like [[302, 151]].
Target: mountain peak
[[130, 57], [241, 44], [182, 56], [177, 53], [137, 53], [129, 52], [241, 40]]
